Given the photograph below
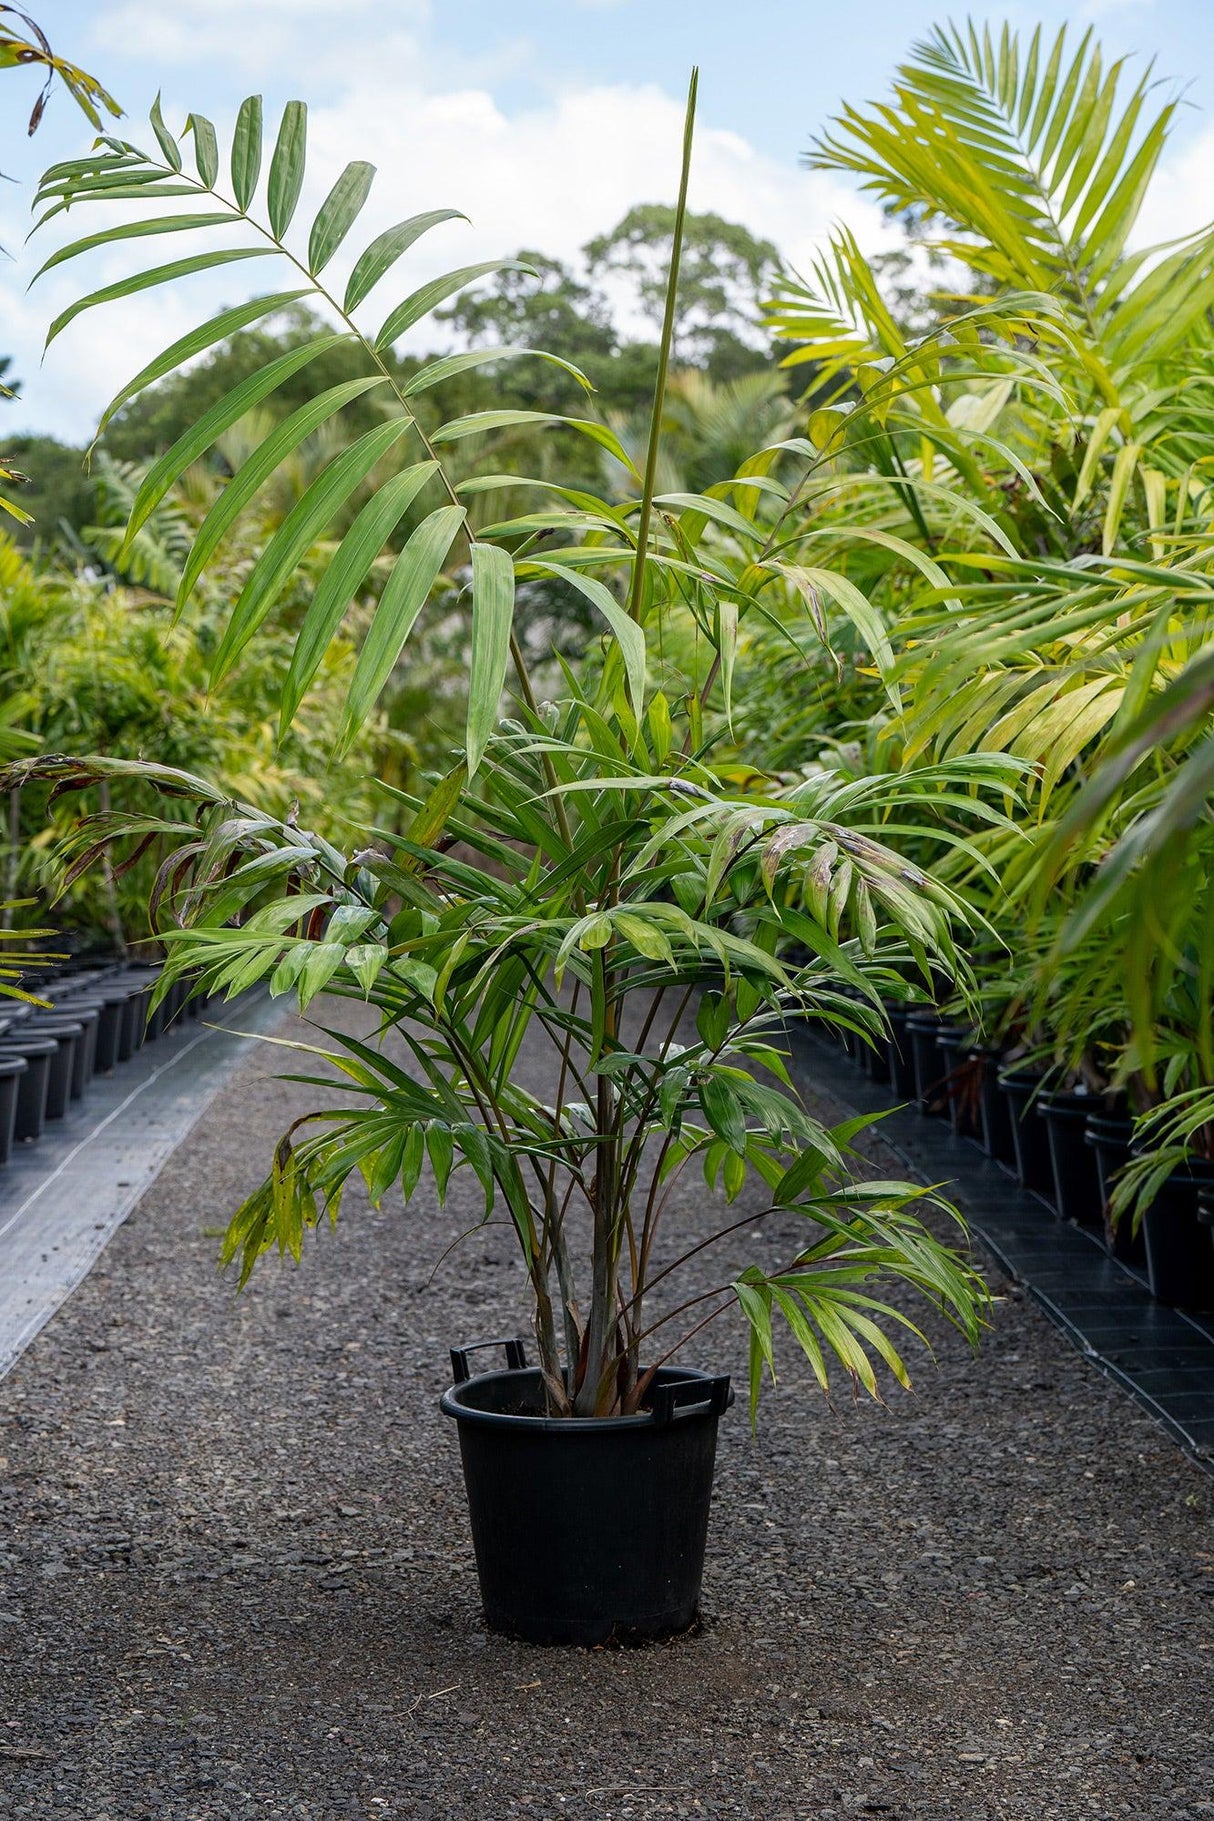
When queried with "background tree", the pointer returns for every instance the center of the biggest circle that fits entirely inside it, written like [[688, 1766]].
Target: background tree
[[725, 275]]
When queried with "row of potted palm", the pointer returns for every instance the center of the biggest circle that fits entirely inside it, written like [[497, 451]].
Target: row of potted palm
[[1137, 1178], [1024, 494]]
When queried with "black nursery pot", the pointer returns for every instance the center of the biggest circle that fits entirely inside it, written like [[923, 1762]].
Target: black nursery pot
[[1205, 1210], [1109, 1141], [12, 1068], [901, 1069], [32, 1085], [69, 1038], [109, 1003], [955, 1044], [1030, 1141], [1077, 1193], [923, 1034], [134, 1027], [876, 1063], [994, 1115], [587, 1529], [1180, 1257]]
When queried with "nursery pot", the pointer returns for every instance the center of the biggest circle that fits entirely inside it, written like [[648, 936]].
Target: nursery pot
[[955, 1044], [923, 1031], [133, 1031], [1205, 1210], [1077, 1193], [32, 1085], [109, 1002], [994, 1117], [84, 1066], [901, 1073], [1029, 1139], [850, 1043], [69, 1037], [876, 1062], [12, 1068], [1180, 1258], [586, 1528], [1109, 1140]]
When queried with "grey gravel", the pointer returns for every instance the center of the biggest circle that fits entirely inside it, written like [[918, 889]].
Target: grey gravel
[[236, 1579]]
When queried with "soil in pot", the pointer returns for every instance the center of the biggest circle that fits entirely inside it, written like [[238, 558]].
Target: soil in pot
[[1108, 1138], [588, 1530], [1030, 1141], [1077, 1193]]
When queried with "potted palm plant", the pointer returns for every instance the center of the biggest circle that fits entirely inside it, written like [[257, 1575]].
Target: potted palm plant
[[587, 877]]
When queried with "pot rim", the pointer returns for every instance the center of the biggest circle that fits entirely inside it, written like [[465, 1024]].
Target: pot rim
[[29, 1047], [721, 1396]]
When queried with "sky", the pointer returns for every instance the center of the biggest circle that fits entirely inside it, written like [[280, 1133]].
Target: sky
[[543, 120]]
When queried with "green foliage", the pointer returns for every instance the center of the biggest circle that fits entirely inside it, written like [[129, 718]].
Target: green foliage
[[1025, 488], [585, 870], [724, 274], [590, 915], [55, 489], [90, 666]]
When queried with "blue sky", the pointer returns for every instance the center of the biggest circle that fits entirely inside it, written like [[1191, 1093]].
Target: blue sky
[[544, 119]]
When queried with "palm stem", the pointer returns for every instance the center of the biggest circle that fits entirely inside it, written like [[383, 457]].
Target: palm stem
[[636, 605]]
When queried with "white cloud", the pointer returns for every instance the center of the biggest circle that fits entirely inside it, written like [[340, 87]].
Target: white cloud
[[554, 176], [550, 177], [258, 36], [1180, 199]]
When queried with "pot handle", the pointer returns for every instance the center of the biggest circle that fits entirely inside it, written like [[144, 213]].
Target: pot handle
[[516, 1358], [691, 1397]]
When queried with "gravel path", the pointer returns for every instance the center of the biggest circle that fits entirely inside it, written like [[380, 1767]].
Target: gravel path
[[235, 1575]]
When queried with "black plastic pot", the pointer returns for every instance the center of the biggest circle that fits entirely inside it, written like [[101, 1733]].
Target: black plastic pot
[[111, 1003], [133, 1030], [994, 1117], [1108, 1138], [586, 1529], [1077, 1193], [923, 1031], [961, 1078], [68, 1034], [1030, 1141], [1180, 1257], [898, 1049], [84, 1066], [12, 1068], [38, 1053], [1205, 1209], [876, 1062], [174, 1005]]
